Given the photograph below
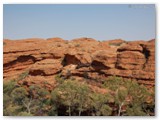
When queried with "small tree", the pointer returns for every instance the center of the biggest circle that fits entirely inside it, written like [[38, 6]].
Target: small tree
[[59, 79], [82, 98], [27, 103], [12, 110], [71, 94], [139, 95], [39, 100], [128, 94], [120, 98], [23, 75], [18, 94], [100, 104], [8, 86]]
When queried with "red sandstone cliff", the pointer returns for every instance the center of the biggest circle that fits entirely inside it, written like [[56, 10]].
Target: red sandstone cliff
[[83, 57]]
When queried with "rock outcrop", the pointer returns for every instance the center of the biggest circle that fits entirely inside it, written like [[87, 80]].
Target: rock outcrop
[[84, 58]]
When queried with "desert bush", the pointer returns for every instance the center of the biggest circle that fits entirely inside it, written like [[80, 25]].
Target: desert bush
[[24, 114], [8, 86], [99, 104], [40, 100], [6, 100], [18, 101], [59, 79], [71, 94], [128, 93], [124, 97], [86, 75], [135, 110], [23, 75], [53, 111], [77, 45], [66, 42], [12, 110], [115, 44], [18, 94], [9, 109]]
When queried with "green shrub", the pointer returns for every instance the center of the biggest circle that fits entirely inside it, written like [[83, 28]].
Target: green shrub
[[59, 79], [12, 110], [77, 45], [23, 75], [66, 42], [115, 44], [99, 104], [24, 114], [70, 94], [6, 100], [135, 110], [123, 97], [40, 100], [127, 93], [18, 101], [18, 94], [8, 86]]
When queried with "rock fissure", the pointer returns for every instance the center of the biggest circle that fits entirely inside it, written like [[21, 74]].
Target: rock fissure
[[146, 53], [10, 52], [20, 60]]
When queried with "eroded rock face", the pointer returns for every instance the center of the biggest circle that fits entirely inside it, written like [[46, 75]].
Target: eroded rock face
[[104, 59], [46, 67], [130, 60], [83, 58], [78, 58]]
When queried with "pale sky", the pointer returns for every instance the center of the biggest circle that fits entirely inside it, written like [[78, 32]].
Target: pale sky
[[98, 21]]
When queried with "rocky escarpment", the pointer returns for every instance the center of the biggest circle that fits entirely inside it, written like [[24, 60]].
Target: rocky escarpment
[[80, 58]]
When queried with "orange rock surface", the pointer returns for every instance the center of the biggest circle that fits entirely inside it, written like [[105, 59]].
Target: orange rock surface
[[82, 57]]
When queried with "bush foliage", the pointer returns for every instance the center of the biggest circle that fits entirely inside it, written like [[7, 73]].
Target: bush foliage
[[71, 97]]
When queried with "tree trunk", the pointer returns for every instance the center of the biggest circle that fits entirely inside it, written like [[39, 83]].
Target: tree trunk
[[80, 112], [28, 109], [69, 110], [80, 109], [120, 107]]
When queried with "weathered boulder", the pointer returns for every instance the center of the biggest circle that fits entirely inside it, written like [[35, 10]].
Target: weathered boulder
[[130, 60], [46, 67], [103, 59], [130, 47], [80, 59]]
